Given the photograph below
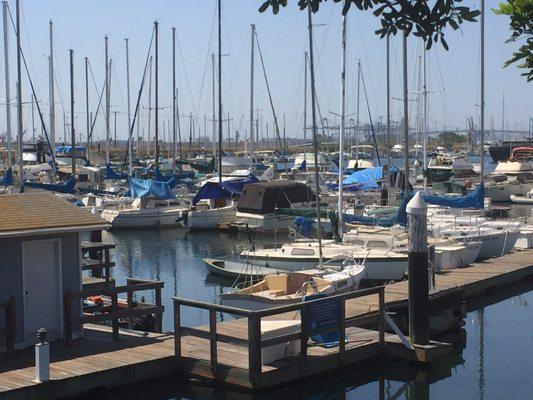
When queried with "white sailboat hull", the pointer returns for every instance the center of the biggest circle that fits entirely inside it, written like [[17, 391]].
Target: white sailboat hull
[[159, 217], [209, 218]]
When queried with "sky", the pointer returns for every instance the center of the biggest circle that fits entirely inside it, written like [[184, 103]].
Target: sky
[[452, 76]]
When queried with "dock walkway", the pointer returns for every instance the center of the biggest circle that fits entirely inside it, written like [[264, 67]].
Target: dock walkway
[[96, 361]]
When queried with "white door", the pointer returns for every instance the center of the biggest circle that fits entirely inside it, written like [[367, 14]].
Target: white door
[[41, 269]]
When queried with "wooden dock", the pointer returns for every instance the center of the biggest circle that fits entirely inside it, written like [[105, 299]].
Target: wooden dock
[[229, 352]]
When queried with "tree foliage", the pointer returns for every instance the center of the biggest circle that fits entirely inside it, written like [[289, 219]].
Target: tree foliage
[[520, 13], [425, 20]]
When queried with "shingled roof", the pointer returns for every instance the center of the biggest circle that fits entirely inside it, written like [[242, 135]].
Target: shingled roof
[[43, 212]]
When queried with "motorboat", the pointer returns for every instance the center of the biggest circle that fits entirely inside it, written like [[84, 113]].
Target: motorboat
[[513, 177], [293, 287]]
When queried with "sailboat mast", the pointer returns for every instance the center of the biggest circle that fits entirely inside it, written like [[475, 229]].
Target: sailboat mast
[[149, 110], [87, 115], [72, 130], [213, 118], [388, 106], [156, 122], [52, 100], [130, 134], [342, 124], [357, 111], [220, 91], [405, 114], [19, 100], [252, 46], [305, 97], [424, 123], [315, 138], [7, 82], [174, 95], [107, 102], [482, 95]]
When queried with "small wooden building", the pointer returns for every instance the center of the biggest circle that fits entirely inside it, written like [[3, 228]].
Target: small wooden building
[[40, 261]]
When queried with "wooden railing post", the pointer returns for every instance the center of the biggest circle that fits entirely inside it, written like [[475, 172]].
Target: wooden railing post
[[177, 331], [254, 349], [342, 330], [106, 261], [213, 339], [114, 311], [304, 327], [67, 305], [158, 314], [10, 315], [130, 306], [381, 321]]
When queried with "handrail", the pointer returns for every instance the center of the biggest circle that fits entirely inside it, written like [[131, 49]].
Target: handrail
[[132, 286], [256, 343]]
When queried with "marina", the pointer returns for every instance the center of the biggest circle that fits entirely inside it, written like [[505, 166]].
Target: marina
[[178, 240]]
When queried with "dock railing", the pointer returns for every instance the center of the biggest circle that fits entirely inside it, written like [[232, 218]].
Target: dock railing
[[256, 343], [8, 332], [116, 313]]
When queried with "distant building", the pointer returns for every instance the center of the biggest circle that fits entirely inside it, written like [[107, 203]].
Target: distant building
[[40, 260]]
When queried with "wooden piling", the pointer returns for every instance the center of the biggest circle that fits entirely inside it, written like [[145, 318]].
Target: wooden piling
[[418, 270]]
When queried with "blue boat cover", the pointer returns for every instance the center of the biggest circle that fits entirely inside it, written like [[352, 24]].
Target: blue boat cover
[[473, 200], [304, 226], [224, 189], [67, 150], [112, 175], [303, 166], [150, 188], [7, 180], [66, 187], [368, 178]]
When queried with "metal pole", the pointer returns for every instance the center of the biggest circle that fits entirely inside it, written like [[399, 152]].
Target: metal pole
[[424, 125], [315, 135], [156, 25], [115, 128], [305, 96], [388, 106], [342, 125], [107, 102], [174, 92], [7, 82], [252, 46], [357, 112], [130, 134], [19, 100], [149, 111], [72, 130], [52, 100], [405, 114], [178, 123], [482, 95], [219, 91], [32, 118]]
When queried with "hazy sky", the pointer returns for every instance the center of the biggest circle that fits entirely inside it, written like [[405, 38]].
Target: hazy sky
[[81, 25]]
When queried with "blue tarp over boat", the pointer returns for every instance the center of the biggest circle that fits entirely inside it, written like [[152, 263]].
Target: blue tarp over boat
[[473, 200], [67, 187], [367, 178], [7, 180], [110, 174], [150, 188], [224, 189]]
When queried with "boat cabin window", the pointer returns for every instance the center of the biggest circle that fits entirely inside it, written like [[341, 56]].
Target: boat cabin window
[[375, 244], [303, 252]]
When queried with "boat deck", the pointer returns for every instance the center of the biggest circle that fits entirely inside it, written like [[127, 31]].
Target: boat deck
[[96, 361]]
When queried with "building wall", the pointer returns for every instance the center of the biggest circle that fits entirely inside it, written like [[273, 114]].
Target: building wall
[[11, 274]]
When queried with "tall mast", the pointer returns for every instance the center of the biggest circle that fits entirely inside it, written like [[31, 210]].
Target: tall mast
[[482, 94], [19, 100], [107, 102], [130, 134], [213, 118], [174, 95], [252, 46], [357, 111], [52, 99], [72, 131], [405, 114], [6, 72], [388, 105], [305, 97], [342, 124], [88, 116], [149, 110], [219, 91], [178, 123], [156, 26], [424, 122], [315, 138]]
